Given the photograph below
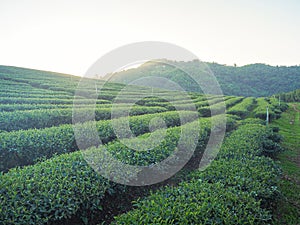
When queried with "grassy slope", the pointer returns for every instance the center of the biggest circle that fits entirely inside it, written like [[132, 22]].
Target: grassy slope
[[288, 211]]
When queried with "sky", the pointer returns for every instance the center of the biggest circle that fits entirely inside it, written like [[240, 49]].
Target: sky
[[69, 36]]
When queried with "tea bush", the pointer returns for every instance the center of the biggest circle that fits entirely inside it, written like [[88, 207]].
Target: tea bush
[[242, 109], [51, 190], [23, 147], [23, 120], [237, 188]]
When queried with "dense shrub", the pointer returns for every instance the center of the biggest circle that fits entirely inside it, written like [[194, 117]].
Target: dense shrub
[[219, 107], [237, 188], [23, 147], [251, 121], [10, 100], [275, 109], [242, 109], [65, 185], [51, 190], [261, 109], [16, 107], [42, 118], [258, 176], [196, 202], [239, 146]]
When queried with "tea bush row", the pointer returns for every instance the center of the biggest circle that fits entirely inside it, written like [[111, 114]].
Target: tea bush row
[[25, 146], [237, 188], [42, 118], [219, 107], [65, 185], [242, 109], [11, 100]]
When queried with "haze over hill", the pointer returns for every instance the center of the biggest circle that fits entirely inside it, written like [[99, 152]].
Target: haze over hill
[[249, 80]]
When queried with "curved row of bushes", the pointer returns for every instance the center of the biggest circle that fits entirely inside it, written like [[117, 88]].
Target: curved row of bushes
[[25, 146], [10, 100], [21, 90], [51, 190], [200, 102], [261, 110], [181, 101], [202, 105], [273, 107], [21, 107], [179, 104], [218, 107], [242, 109], [34, 95], [65, 185], [237, 188], [282, 106], [42, 118], [148, 151]]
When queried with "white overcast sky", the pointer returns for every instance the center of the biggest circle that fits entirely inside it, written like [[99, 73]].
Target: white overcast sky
[[68, 36]]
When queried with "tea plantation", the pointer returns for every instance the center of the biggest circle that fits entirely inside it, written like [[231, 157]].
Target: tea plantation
[[45, 177]]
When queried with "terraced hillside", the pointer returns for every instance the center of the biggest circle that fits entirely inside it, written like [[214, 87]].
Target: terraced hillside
[[46, 179]]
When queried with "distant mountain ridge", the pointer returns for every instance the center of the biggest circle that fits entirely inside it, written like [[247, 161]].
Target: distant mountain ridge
[[250, 80]]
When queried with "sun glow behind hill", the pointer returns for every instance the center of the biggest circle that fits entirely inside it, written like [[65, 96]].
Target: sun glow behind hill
[[68, 37]]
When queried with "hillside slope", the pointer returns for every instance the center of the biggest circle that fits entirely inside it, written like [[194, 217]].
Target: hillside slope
[[46, 179], [251, 80], [288, 207]]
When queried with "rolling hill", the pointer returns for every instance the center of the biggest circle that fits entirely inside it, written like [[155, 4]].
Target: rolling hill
[[50, 175], [251, 80]]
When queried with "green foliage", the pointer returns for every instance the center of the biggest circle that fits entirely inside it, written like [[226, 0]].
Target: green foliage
[[199, 104], [239, 186], [235, 189], [251, 121], [264, 142], [242, 109], [196, 203], [219, 107], [279, 106], [23, 120], [256, 175], [20, 100], [25, 79], [16, 107], [293, 96], [64, 185], [254, 80], [287, 210], [49, 191], [23, 147], [273, 106], [156, 153], [36, 95]]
